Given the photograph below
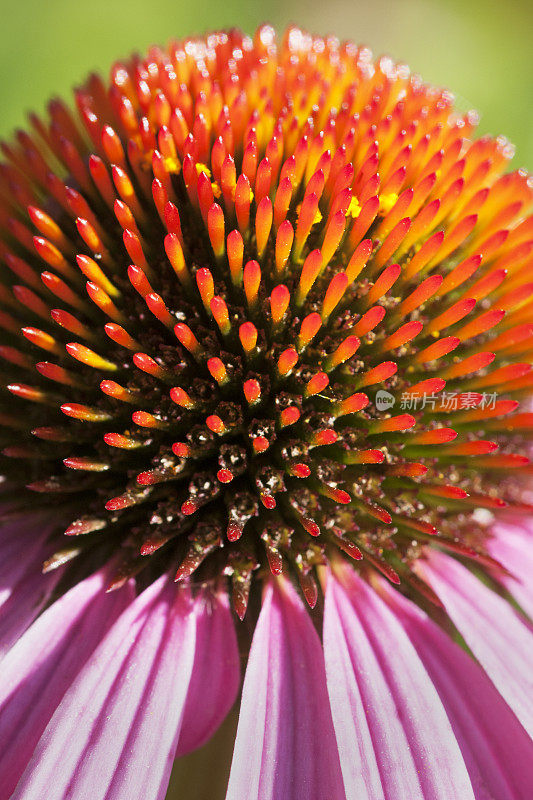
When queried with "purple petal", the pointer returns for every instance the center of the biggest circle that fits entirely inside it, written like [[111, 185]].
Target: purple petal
[[38, 670], [285, 747], [496, 749], [216, 673], [24, 589], [512, 545], [395, 740], [495, 633], [115, 732]]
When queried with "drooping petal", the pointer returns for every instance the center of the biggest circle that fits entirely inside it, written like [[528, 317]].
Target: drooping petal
[[496, 749], [285, 747], [216, 673], [512, 545], [115, 732], [494, 631], [395, 740], [38, 670]]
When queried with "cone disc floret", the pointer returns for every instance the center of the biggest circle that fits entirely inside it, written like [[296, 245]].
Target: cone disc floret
[[264, 305]]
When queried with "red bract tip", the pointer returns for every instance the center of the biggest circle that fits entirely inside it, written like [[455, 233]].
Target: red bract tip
[[324, 437], [219, 311], [308, 329], [235, 250], [452, 315], [289, 416], [477, 448], [353, 404], [268, 501], [279, 303], [117, 503], [189, 507], [340, 496], [369, 321], [85, 464], [252, 390], [139, 281], [187, 338], [310, 272], [287, 361], [408, 470], [215, 227], [224, 476], [300, 470], [263, 224], [427, 387], [438, 349], [146, 420], [215, 424], [260, 444], [343, 353], [378, 374], [181, 449], [447, 492], [406, 333], [316, 384], [437, 436], [383, 284], [217, 369], [400, 423], [334, 293], [181, 398], [284, 240], [234, 532], [248, 336]]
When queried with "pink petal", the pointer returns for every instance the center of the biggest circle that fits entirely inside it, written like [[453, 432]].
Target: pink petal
[[395, 740], [512, 545], [38, 670], [216, 673], [285, 747], [26, 600], [20, 544], [115, 732], [496, 748], [498, 638], [24, 590]]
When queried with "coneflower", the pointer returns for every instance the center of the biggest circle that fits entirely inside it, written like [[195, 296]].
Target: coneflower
[[266, 320]]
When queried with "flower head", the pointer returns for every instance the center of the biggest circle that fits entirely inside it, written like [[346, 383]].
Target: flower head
[[266, 311]]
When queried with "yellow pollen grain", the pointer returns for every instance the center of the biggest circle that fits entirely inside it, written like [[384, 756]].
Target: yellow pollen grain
[[173, 165], [354, 209], [203, 168], [216, 189], [387, 202], [318, 215]]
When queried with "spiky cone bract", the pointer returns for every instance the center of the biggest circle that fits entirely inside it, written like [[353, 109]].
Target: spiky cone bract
[[212, 265]]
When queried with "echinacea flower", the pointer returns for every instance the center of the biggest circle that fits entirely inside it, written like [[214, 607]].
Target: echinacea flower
[[266, 324]]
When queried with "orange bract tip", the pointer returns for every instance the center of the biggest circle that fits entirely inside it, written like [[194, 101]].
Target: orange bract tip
[[279, 303], [334, 294], [180, 397], [287, 361], [252, 279], [187, 338], [316, 384], [400, 423], [252, 390], [289, 416], [206, 286]]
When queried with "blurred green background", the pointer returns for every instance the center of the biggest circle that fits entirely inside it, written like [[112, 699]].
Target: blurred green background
[[480, 49]]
